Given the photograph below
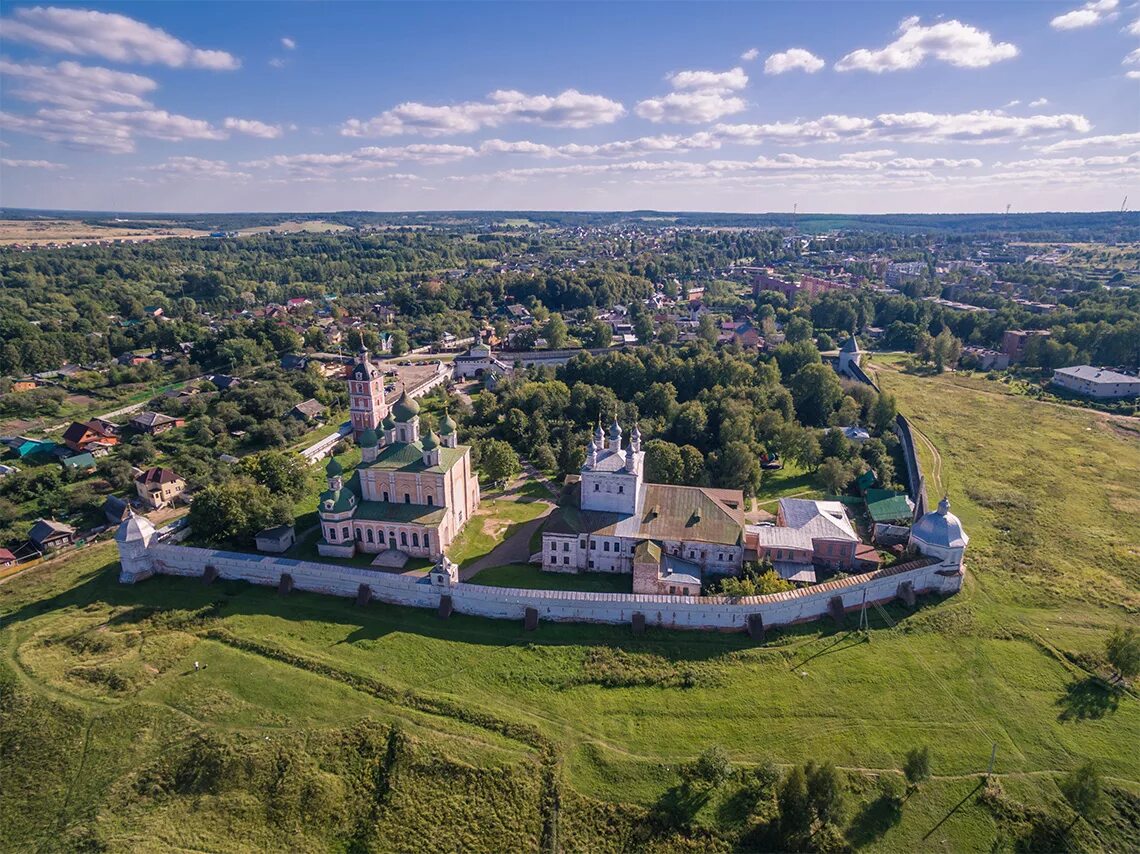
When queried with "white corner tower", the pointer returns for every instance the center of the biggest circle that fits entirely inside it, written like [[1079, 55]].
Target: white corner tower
[[134, 539]]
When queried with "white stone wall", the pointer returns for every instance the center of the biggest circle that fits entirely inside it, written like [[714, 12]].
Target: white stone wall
[[610, 492], [508, 603]]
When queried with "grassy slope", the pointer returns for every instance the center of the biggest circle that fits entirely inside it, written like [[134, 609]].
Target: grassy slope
[[1049, 498]]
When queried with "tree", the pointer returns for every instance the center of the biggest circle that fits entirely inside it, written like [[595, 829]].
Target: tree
[[236, 510], [834, 475], [694, 465], [924, 346], [816, 392], [279, 472], [691, 423], [794, 805], [555, 332], [809, 454], [883, 411], [797, 329], [498, 461], [597, 334], [738, 467], [710, 769], [663, 462], [946, 350], [1123, 650], [825, 792], [706, 330], [399, 342], [916, 768], [1084, 790]]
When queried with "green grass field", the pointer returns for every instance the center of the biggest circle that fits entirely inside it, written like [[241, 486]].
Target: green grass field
[[531, 577], [317, 725]]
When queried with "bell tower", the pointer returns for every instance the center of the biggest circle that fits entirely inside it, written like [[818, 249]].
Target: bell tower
[[366, 404]]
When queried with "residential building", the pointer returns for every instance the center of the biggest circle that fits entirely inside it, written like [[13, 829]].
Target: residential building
[[275, 540], [158, 487], [1099, 383], [48, 534], [7, 558], [986, 360], [307, 410], [155, 423], [477, 361], [1014, 341], [899, 274], [81, 437]]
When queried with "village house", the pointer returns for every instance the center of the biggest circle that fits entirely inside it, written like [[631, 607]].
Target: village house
[[1098, 383], [48, 534], [7, 558], [154, 423], [86, 436], [307, 410], [158, 487]]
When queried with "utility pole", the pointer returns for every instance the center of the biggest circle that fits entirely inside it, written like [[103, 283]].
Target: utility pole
[[863, 613], [993, 756]]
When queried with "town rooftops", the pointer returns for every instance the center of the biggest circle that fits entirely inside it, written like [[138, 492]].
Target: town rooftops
[[307, 409], [1091, 374], [46, 529], [886, 505], [78, 430], [804, 522]]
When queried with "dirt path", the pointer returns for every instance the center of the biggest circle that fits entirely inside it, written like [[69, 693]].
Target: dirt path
[[514, 549]]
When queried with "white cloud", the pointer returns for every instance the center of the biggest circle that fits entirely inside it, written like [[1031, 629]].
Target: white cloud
[[112, 132], [569, 109], [1133, 29], [362, 159], [70, 84], [690, 107], [277, 62], [1009, 104], [288, 43], [1094, 12], [953, 42], [979, 126], [721, 81], [750, 55], [1115, 140], [698, 97], [1132, 58], [1132, 75], [618, 148], [31, 164], [197, 167], [1039, 102], [111, 36], [252, 127], [793, 59]]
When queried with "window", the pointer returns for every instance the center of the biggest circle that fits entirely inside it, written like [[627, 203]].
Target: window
[[385, 495], [581, 544], [606, 546], [597, 487], [359, 535], [403, 538], [621, 490], [591, 564], [720, 555], [407, 498], [344, 534], [427, 540], [565, 547], [672, 590], [403, 435], [415, 539], [431, 501], [332, 534], [566, 560], [594, 545], [369, 532]]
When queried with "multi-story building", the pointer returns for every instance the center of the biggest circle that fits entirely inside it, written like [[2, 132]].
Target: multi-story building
[[1100, 383], [366, 404], [411, 492], [610, 510]]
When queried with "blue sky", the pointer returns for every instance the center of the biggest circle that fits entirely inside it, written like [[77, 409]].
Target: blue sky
[[846, 107]]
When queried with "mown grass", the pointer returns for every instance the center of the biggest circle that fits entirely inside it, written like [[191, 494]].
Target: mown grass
[[499, 516], [102, 702]]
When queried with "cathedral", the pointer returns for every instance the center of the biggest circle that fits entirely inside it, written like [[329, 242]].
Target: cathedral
[[411, 492]]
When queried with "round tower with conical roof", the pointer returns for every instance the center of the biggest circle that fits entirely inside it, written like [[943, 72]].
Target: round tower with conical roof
[[431, 446], [449, 431], [369, 443], [334, 472]]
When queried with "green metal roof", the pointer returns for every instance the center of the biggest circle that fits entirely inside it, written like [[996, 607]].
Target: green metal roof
[[409, 456], [392, 511], [405, 408], [369, 439], [886, 505]]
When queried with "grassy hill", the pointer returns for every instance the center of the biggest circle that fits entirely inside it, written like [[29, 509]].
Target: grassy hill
[[316, 725]]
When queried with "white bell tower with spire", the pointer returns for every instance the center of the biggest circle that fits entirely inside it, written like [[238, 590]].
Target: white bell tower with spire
[[612, 479]]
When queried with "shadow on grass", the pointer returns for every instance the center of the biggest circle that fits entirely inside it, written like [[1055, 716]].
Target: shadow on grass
[[679, 805], [1088, 698], [954, 809], [875, 819]]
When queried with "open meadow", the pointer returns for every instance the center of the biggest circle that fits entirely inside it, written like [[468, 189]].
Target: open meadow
[[318, 725]]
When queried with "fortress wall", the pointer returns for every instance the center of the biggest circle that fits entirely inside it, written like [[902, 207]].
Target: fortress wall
[[556, 605]]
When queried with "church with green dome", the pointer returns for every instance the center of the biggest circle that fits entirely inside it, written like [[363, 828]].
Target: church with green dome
[[412, 493]]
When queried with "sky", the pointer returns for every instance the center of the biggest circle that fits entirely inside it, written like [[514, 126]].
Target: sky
[[843, 107]]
